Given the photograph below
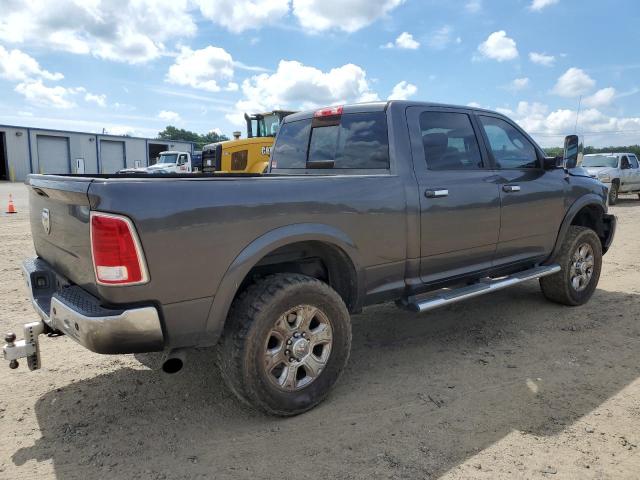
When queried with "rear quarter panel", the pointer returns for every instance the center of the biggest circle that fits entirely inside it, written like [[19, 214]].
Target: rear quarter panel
[[192, 230]]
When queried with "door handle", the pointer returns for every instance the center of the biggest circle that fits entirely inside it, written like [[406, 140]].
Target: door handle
[[436, 193], [511, 188]]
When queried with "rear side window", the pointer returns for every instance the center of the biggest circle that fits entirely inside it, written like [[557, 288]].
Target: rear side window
[[449, 141], [510, 148], [634, 161], [290, 150], [353, 141]]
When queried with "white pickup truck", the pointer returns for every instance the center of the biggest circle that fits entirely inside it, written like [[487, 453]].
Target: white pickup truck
[[168, 162], [172, 162], [620, 171]]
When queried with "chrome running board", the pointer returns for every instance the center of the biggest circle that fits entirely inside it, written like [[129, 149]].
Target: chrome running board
[[487, 285]]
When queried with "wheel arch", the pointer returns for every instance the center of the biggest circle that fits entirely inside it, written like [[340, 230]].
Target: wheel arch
[[588, 211], [332, 246]]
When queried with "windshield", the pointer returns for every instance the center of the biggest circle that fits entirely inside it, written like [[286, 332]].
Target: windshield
[[600, 161], [268, 126], [168, 158]]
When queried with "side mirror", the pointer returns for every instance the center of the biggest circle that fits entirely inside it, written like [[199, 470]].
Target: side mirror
[[571, 150]]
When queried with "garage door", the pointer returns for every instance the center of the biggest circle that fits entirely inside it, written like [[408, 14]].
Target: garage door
[[53, 154], [111, 156]]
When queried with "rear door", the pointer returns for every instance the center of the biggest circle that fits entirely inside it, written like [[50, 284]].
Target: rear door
[[459, 198], [532, 198]]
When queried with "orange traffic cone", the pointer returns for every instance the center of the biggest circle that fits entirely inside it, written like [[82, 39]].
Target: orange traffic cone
[[11, 208]]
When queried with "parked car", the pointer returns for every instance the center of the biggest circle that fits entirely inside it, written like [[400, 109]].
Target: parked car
[[619, 170], [362, 204]]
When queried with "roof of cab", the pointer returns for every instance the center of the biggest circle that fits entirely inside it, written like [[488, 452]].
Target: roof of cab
[[380, 106]]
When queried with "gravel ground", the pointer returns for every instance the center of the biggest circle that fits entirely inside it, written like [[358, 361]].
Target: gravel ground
[[502, 386]]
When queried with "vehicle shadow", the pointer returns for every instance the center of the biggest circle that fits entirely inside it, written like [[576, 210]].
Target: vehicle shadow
[[421, 395]]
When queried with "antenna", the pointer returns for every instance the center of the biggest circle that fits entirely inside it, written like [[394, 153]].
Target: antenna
[[578, 115]]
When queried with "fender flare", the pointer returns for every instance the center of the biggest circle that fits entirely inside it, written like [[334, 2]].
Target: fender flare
[[262, 246], [584, 201]]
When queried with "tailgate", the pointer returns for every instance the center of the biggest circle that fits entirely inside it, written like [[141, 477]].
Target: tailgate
[[59, 214]]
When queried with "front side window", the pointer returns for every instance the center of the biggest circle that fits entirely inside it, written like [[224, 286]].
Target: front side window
[[624, 163], [510, 148], [449, 141]]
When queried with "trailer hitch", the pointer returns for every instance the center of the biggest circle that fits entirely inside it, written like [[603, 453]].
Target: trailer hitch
[[27, 348]]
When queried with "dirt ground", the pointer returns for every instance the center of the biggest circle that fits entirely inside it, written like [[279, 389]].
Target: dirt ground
[[502, 386]]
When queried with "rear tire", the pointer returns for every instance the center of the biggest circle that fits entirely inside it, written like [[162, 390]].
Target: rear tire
[[581, 260], [613, 194], [286, 342]]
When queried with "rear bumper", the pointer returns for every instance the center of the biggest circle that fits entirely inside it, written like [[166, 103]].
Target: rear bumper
[[78, 314]]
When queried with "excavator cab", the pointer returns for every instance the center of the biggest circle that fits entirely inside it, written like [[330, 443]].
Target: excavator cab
[[261, 125]]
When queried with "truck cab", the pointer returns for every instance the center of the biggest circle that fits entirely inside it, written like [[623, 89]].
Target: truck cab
[[172, 162]]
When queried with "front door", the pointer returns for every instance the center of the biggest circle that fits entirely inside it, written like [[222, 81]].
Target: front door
[[532, 198], [459, 198], [635, 169]]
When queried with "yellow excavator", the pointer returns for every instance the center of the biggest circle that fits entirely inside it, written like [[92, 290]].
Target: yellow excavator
[[245, 155]]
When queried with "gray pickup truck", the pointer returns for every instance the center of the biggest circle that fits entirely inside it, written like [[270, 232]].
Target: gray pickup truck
[[419, 203]]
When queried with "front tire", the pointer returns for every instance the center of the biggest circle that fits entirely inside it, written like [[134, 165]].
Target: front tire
[[287, 340], [581, 260]]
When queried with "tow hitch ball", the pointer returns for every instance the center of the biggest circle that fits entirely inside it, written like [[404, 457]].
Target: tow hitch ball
[[10, 339], [27, 348]]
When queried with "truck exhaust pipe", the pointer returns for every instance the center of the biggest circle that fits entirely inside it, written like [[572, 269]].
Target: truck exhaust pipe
[[174, 362]]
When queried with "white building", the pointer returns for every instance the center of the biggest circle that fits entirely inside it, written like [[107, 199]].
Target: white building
[[25, 150]]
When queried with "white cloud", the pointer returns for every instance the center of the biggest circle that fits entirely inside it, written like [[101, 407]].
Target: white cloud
[[345, 15], [240, 15], [37, 93], [573, 83], [442, 37], [405, 41], [602, 98], [519, 84], [537, 5], [169, 116], [100, 100], [297, 86], [499, 47], [121, 31], [474, 105], [549, 127], [17, 66], [202, 69], [473, 6], [542, 59], [403, 91]]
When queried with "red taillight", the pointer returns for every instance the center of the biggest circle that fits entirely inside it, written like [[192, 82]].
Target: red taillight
[[117, 256], [329, 112]]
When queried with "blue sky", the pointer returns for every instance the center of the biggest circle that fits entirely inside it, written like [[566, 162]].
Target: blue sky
[[199, 64]]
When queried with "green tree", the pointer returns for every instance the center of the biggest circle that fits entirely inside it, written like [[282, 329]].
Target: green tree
[[174, 133]]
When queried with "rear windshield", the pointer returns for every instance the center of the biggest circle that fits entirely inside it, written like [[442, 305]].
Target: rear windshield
[[356, 141]]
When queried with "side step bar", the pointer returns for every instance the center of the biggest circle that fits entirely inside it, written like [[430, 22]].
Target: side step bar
[[448, 296]]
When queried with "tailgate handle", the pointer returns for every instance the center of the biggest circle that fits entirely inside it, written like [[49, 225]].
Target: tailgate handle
[[40, 192]]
